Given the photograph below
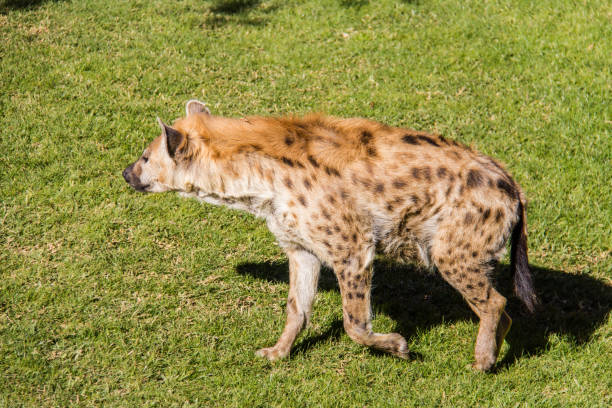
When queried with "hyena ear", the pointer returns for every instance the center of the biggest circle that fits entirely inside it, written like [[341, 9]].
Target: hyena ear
[[194, 106], [172, 139]]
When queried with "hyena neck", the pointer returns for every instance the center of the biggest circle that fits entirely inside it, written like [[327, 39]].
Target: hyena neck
[[236, 183]]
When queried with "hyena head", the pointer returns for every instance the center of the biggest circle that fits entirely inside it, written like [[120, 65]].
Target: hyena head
[[160, 167]]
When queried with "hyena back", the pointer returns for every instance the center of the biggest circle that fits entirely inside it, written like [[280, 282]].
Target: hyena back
[[336, 191]]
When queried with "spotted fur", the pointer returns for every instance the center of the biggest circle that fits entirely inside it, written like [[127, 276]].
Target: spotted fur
[[337, 191]]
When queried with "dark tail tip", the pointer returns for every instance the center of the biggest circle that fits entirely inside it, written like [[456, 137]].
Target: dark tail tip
[[519, 263]]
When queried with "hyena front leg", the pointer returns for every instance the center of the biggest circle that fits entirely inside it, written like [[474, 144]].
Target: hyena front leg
[[304, 270], [355, 279]]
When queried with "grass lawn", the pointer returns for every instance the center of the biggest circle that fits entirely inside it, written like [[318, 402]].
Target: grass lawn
[[111, 297]]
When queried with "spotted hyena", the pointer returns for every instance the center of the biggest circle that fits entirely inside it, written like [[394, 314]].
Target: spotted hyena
[[337, 191]]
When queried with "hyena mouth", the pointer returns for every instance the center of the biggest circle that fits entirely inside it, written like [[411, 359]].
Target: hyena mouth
[[141, 187]]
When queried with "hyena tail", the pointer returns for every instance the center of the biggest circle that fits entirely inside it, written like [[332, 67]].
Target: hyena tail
[[523, 281]]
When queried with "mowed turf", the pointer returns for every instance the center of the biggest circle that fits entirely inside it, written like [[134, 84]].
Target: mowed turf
[[109, 297]]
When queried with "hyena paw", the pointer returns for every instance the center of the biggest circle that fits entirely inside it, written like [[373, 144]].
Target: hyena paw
[[396, 345], [272, 353], [481, 366], [484, 360]]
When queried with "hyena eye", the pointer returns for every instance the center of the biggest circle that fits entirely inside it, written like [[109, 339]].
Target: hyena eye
[[145, 159]]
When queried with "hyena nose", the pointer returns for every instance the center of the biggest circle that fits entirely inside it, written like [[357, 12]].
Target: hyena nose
[[126, 175]]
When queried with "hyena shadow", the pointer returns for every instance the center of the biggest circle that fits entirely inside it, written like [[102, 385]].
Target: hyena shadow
[[8, 5], [239, 12], [572, 306]]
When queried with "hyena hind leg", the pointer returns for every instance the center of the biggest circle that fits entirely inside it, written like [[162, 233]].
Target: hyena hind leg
[[503, 326], [304, 270], [474, 285]]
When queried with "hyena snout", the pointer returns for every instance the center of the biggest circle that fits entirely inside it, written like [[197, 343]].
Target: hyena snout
[[132, 179]]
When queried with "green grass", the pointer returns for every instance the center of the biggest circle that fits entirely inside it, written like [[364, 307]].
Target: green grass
[[110, 297]]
